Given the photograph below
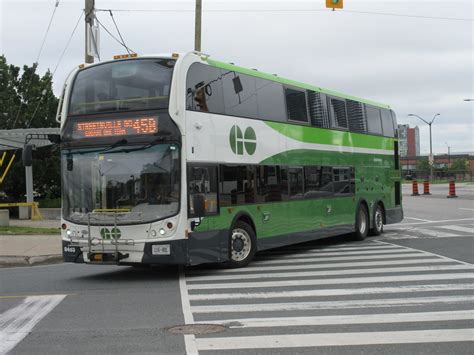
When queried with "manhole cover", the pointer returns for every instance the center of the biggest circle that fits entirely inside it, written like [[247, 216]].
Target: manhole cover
[[196, 329]]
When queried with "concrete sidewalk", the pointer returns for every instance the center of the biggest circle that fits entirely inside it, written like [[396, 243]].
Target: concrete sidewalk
[[26, 250]]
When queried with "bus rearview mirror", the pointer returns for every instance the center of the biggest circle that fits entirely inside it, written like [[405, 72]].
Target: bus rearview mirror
[[27, 155], [199, 204]]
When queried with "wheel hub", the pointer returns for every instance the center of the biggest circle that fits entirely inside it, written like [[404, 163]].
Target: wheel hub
[[238, 245]]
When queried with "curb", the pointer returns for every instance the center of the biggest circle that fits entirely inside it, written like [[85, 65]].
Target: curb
[[14, 261]]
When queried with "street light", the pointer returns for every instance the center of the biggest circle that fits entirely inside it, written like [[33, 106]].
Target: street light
[[431, 160]]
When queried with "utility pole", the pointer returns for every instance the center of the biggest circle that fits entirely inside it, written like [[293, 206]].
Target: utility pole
[[89, 10], [431, 158], [197, 28]]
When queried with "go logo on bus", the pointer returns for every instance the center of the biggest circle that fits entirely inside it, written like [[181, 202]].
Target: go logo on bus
[[239, 141], [114, 233]]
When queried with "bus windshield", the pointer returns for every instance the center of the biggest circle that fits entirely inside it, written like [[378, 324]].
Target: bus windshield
[[128, 85], [142, 182]]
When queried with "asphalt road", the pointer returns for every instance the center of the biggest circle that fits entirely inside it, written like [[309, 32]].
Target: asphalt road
[[407, 291]]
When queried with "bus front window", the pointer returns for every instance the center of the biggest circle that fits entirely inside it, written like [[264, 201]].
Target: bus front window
[[144, 182]]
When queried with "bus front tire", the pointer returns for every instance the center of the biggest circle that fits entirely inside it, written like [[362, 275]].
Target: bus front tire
[[378, 221], [362, 223], [242, 245]]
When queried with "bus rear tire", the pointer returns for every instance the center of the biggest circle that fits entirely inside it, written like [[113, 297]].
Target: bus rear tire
[[242, 245], [378, 221], [362, 223]]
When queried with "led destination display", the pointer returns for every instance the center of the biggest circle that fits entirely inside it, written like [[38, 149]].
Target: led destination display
[[115, 127]]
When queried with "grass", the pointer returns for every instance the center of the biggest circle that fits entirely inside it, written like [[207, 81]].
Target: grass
[[28, 230]]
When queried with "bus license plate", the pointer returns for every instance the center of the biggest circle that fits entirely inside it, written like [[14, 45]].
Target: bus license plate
[[161, 249]]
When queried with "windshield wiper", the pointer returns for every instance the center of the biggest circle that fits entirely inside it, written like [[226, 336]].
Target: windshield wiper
[[118, 143]]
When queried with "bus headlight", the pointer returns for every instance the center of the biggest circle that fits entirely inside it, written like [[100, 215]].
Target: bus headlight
[[153, 233], [162, 231]]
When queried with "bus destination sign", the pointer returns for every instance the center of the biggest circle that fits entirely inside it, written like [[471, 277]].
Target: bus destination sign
[[115, 127]]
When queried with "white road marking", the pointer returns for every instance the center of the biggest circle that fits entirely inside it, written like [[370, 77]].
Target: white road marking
[[16, 323], [404, 255], [304, 273], [356, 264], [327, 250], [189, 339], [432, 233], [346, 319], [458, 228], [330, 292], [350, 304], [428, 253], [335, 339], [468, 209], [402, 225], [336, 281], [324, 254], [419, 219]]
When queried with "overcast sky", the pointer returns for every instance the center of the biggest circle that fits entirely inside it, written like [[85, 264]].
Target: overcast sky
[[416, 65]]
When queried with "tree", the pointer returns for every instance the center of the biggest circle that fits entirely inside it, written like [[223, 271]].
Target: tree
[[423, 165], [459, 165], [27, 101]]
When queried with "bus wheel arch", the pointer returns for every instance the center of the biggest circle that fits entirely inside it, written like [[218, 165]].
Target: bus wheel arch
[[242, 241], [378, 218], [362, 220]]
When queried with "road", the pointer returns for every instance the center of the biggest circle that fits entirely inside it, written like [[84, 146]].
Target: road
[[408, 291]]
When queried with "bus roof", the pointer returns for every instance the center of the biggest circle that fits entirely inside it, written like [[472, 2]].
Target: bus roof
[[267, 76]]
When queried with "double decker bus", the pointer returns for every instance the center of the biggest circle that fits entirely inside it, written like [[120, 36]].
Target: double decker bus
[[184, 159]]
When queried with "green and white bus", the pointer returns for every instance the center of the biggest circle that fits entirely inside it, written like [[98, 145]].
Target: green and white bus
[[184, 159]]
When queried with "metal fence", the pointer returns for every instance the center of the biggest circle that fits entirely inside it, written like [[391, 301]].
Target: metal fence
[[463, 176]]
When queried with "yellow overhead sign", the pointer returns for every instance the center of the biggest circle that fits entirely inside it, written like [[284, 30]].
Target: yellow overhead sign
[[334, 4]]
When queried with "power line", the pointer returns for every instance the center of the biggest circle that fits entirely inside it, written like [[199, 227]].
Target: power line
[[296, 10], [43, 93], [118, 31], [35, 64], [115, 38]]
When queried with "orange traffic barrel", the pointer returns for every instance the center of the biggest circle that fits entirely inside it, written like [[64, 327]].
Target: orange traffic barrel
[[452, 189], [414, 188], [426, 187]]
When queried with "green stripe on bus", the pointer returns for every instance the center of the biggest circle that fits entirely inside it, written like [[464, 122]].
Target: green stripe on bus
[[331, 137], [258, 74]]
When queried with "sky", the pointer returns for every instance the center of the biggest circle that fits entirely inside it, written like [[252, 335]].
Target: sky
[[413, 62]]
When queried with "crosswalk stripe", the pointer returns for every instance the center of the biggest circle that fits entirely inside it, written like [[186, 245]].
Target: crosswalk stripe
[[405, 255], [335, 281], [432, 233], [346, 319], [348, 304], [344, 252], [304, 273], [330, 292], [431, 260], [458, 228], [330, 249], [335, 339], [16, 323]]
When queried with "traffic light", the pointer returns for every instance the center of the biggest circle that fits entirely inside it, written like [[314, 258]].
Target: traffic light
[[334, 4]]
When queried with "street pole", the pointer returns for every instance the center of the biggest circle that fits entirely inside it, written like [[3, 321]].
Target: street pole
[[89, 22], [197, 28], [431, 158]]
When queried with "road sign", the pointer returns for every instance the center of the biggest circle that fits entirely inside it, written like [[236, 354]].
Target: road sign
[[431, 159], [334, 4]]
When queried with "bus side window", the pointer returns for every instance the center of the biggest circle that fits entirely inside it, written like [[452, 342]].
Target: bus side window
[[356, 116], [374, 121], [338, 112], [204, 89], [203, 180], [387, 123]]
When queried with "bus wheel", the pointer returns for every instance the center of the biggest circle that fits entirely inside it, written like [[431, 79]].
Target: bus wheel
[[242, 245], [362, 223], [378, 221]]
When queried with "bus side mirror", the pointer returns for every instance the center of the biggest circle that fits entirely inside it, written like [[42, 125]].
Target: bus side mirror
[[27, 155], [199, 204]]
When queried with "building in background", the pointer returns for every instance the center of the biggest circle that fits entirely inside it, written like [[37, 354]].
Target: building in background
[[409, 140]]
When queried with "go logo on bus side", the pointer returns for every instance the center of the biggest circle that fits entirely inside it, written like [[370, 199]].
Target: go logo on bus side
[[239, 141], [115, 233]]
